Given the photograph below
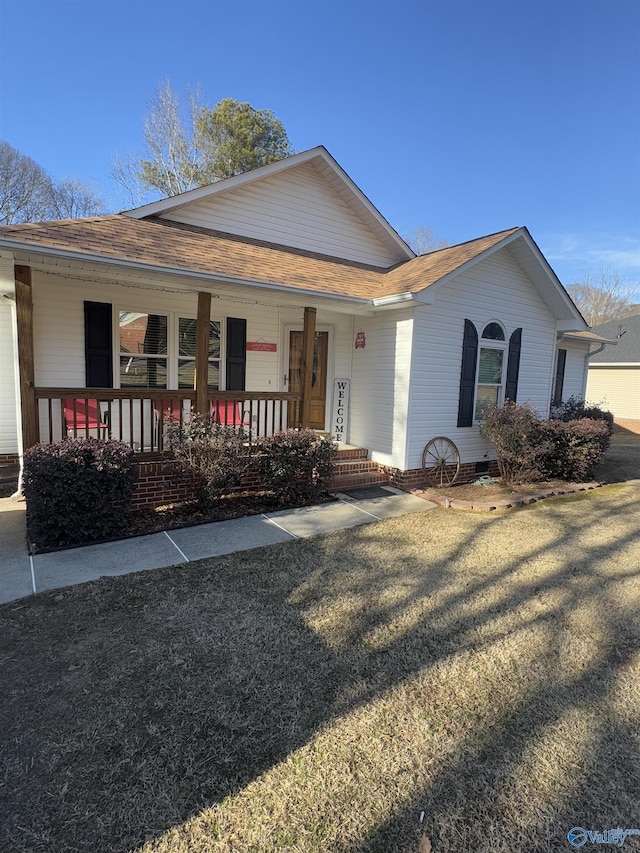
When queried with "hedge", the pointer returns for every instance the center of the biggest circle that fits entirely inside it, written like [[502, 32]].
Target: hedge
[[78, 490]]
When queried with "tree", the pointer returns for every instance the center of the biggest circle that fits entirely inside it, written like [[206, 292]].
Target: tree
[[25, 188], [610, 298], [175, 155], [238, 139], [422, 240], [28, 194], [72, 198], [194, 146]]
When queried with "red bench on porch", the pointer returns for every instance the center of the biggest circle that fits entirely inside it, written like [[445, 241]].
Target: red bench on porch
[[227, 413], [82, 416]]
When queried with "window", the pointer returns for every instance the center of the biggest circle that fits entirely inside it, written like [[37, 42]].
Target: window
[[489, 383], [483, 380], [187, 353], [143, 350]]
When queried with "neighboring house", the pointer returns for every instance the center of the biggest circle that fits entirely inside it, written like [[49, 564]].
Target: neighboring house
[[280, 288], [614, 373]]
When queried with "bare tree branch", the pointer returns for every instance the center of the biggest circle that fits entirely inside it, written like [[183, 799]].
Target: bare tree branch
[[422, 240], [609, 297]]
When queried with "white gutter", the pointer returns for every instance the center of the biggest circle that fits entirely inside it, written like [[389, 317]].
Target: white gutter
[[16, 245], [392, 301]]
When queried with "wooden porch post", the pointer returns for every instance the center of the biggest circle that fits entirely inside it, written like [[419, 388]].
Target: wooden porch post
[[308, 341], [202, 352], [24, 323]]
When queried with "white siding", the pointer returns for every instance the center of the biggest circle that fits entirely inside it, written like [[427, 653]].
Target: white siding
[[494, 289], [574, 369], [59, 326], [616, 388], [59, 331], [295, 208], [380, 387], [8, 396]]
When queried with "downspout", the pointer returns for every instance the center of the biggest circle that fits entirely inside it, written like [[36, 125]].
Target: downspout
[[585, 371]]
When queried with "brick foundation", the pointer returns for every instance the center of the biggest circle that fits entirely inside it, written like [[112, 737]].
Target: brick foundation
[[415, 478], [9, 459], [162, 482]]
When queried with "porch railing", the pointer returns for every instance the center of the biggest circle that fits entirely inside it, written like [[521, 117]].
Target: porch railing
[[139, 417]]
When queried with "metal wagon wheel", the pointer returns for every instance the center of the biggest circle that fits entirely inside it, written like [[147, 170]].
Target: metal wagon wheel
[[441, 462]]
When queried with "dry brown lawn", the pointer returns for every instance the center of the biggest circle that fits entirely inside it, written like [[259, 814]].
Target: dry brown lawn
[[319, 695]]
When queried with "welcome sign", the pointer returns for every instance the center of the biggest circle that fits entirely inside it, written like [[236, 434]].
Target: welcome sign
[[341, 389]]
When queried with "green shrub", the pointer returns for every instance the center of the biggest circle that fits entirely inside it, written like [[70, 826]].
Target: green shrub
[[78, 490], [296, 464], [574, 447], [213, 456], [514, 431], [575, 408]]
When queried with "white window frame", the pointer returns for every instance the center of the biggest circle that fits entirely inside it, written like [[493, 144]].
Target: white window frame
[[173, 343], [491, 344]]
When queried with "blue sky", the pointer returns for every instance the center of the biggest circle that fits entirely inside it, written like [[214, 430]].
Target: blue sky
[[469, 117]]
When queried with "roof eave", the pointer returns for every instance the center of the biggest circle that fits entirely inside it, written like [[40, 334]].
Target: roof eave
[[183, 272]]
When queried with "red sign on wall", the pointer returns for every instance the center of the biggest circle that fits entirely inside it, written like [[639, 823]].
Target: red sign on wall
[[360, 341], [261, 346]]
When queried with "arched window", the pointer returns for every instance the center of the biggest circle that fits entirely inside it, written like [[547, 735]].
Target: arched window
[[491, 369], [493, 332]]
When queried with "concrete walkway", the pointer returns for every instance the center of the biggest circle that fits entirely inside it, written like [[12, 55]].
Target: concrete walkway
[[22, 575]]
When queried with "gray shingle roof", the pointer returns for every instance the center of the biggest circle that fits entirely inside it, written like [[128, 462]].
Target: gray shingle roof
[[627, 349]]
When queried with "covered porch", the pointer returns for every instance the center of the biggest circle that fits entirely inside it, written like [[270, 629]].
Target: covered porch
[[137, 411]]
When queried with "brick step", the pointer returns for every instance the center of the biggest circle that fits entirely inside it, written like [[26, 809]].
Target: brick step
[[353, 473], [351, 466], [358, 479], [348, 452]]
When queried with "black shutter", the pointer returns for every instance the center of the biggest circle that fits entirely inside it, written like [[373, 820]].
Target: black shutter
[[236, 354], [557, 388], [98, 345], [468, 375], [513, 366]]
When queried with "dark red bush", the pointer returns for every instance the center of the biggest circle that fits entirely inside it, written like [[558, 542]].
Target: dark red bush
[[78, 490], [296, 464], [574, 447]]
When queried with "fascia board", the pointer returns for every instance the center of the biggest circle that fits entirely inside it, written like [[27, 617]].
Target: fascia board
[[552, 277], [155, 208], [428, 293], [566, 327], [181, 272], [602, 365]]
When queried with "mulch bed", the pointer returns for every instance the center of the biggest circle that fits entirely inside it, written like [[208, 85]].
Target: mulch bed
[[498, 495]]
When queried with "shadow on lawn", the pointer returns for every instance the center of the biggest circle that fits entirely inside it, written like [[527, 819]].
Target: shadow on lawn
[[156, 696], [596, 787]]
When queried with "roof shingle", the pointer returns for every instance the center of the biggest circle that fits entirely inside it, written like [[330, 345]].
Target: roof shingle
[[163, 243]]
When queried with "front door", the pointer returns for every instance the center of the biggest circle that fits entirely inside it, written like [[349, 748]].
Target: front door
[[318, 378]]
